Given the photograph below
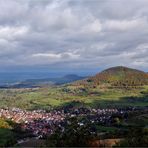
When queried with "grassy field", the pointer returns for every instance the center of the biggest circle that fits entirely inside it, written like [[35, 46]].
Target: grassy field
[[59, 96]]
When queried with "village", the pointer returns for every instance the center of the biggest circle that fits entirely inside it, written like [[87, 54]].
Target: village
[[42, 123]]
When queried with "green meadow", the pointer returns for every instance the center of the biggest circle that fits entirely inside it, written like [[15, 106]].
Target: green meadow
[[52, 97]]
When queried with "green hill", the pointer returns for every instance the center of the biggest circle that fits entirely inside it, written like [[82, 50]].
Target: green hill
[[118, 77]]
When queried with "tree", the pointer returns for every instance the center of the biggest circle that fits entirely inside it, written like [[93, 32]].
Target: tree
[[136, 138], [3, 124], [74, 135]]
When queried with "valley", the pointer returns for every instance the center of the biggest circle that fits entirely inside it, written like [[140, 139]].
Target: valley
[[102, 107]]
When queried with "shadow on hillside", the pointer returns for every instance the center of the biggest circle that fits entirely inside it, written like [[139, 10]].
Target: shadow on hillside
[[71, 104], [123, 102], [133, 99]]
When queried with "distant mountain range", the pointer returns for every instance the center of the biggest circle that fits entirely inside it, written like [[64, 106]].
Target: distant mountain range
[[31, 83], [118, 77]]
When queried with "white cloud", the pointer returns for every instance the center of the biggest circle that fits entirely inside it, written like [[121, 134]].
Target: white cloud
[[94, 27], [7, 32], [72, 33], [49, 55], [125, 25]]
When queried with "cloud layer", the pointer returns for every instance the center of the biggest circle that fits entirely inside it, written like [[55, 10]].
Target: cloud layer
[[73, 34]]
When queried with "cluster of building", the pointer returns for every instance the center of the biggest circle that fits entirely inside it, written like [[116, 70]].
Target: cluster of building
[[41, 123], [23, 116]]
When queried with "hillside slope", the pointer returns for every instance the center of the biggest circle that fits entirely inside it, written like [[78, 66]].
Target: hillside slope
[[118, 77]]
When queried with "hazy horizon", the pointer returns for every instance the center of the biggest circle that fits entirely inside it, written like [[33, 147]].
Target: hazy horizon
[[10, 77]]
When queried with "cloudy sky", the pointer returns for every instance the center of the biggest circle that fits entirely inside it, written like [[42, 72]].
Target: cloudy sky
[[73, 35]]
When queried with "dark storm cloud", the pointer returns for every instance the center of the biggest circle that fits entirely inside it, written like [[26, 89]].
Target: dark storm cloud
[[73, 33]]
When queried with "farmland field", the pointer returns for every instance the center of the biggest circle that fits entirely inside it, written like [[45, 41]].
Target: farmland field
[[53, 97]]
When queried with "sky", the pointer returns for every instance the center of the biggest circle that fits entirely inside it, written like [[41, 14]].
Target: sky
[[73, 36]]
